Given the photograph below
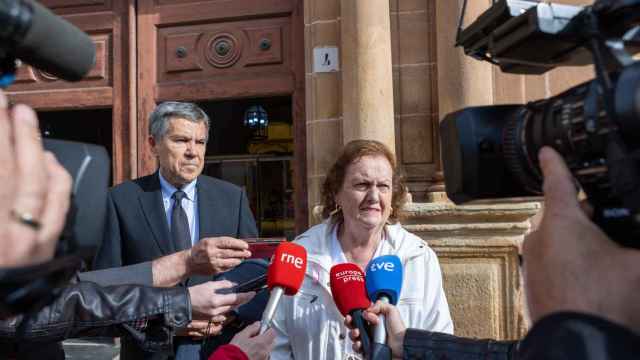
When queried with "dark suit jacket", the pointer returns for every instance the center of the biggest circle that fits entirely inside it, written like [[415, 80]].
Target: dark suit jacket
[[138, 274], [137, 229]]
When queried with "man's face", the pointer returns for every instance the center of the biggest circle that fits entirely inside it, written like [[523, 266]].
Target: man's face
[[180, 152]]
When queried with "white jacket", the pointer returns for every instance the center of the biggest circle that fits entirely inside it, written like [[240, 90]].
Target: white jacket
[[309, 325]]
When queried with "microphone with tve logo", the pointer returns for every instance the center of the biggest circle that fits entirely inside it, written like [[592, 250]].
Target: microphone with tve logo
[[284, 276], [350, 296], [384, 283]]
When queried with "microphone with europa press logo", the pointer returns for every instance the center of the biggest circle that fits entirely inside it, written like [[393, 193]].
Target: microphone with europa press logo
[[384, 283], [284, 276], [350, 296]]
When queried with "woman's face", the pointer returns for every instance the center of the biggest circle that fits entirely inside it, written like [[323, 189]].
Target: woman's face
[[365, 196]]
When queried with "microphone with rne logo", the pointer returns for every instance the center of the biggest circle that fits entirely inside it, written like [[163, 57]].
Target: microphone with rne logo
[[350, 296], [384, 283], [284, 276]]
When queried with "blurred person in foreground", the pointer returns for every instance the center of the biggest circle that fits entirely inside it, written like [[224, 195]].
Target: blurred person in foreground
[[248, 344], [145, 315], [35, 191], [362, 197], [583, 291]]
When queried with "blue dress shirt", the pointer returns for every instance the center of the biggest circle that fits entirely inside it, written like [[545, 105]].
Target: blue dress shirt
[[189, 204]]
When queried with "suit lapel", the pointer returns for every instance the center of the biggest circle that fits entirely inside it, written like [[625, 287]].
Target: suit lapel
[[153, 209], [211, 215], [205, 209], [214, 216]]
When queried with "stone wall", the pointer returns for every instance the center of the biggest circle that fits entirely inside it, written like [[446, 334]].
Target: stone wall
[[323, 94], [478, 248]]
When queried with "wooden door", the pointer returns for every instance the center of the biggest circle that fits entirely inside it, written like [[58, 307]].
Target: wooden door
[[110, 84], [192, 50]]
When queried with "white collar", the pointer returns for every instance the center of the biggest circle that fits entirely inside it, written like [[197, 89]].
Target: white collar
[[168, 189], [337, 254]]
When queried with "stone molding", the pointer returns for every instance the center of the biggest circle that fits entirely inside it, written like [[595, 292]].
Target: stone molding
[[477, 247]]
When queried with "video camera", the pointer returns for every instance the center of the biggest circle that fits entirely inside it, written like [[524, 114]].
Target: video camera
[[34, 35], [490, 152]]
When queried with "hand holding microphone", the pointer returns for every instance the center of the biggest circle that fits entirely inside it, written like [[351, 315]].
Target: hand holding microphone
[[396, 329], [350, 296], [284, 276], [253, 345], [384, 283]]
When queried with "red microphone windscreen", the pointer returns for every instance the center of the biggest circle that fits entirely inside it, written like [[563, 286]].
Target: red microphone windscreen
[[287, 268], [348, 288]]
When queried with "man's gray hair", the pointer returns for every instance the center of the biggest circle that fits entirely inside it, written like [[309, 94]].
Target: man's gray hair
[[159, 119]]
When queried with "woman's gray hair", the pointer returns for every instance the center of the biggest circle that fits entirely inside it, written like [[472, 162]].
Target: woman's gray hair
[[159, 119]]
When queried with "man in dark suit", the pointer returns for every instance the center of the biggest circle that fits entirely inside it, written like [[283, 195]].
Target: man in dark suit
[[174, 209]]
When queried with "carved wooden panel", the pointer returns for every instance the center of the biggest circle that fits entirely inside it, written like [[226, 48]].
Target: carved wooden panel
[[181, 52], [243, 48], [57, 4], [77, 6], [199, 11], [265, 45], [182, 2], [223, 48]]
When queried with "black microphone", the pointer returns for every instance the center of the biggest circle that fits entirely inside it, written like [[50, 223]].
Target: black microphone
[[44, 40]]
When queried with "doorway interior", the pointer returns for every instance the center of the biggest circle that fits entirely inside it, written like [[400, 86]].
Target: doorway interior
[[251, 145]]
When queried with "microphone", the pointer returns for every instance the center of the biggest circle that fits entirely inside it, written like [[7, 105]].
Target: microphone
[[45, 40], [350, 296], [384, 283], [284, 276]]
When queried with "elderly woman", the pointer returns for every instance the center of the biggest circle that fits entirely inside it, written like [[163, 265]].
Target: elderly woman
[[362, 196]]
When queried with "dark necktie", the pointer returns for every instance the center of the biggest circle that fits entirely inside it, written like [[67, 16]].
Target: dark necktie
[[179, 222]]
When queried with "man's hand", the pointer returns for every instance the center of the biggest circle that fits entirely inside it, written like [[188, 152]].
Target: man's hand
[[206, 303], [35, 191], [570, 264], [211, 256], [393, 323], [201, 328], [255, 346]]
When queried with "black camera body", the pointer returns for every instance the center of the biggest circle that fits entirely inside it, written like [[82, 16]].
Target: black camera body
[[490, 152]]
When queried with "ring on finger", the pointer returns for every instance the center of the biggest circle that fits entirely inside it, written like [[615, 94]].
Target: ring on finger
[[26, 218]]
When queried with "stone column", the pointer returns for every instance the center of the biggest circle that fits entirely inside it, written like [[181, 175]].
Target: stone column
[[367, 81], [462, 81]]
